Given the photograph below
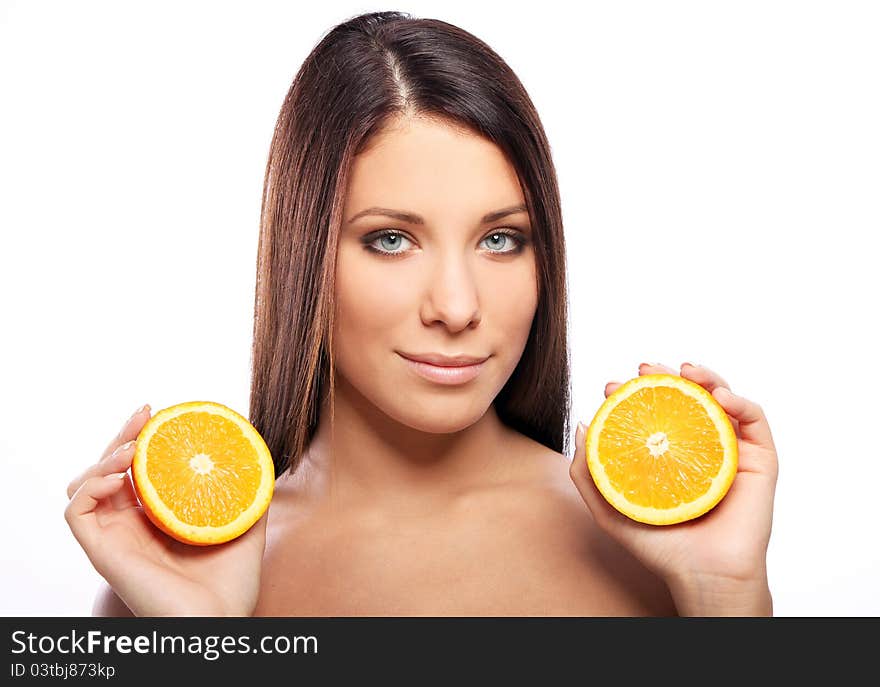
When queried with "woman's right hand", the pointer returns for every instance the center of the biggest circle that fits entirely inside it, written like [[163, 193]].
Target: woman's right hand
[[153, 573]]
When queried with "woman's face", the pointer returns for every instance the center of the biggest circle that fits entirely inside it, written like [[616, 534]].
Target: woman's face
[[451, 283]]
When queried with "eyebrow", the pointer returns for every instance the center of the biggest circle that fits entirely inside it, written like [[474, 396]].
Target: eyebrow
[[412, 218]]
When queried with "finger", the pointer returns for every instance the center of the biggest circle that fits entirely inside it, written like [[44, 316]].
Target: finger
[[644, 369], [130, 429], [125, 497], [655, 369], [80, 511], [605, 515], [118, 461], [611, 387], [753, 425], [709, 380], [703, 376]]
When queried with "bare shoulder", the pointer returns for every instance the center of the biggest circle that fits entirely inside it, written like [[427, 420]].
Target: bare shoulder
[[559, 526], [523, 543]]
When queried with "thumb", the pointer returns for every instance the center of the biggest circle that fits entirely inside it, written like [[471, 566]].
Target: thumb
[[603, 512], [580, 472]]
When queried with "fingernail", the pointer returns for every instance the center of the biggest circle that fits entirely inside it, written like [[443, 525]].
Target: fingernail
[[139, 410], [115, 475], [122, 449], [579, 436]]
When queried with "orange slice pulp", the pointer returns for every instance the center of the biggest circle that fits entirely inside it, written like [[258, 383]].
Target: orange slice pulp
[[661, 449], [202, 472]]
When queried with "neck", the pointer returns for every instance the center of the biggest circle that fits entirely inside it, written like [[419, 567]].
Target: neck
[[368, 457]]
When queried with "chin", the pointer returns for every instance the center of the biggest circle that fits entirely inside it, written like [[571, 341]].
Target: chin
[[440, 418]]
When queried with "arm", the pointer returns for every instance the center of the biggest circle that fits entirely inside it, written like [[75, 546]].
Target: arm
[[108, 605], [722, 597]]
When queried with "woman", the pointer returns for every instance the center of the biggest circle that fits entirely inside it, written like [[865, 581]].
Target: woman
[[411, 213]]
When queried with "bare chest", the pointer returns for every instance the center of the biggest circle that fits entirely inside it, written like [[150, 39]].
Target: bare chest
[[490, 567]]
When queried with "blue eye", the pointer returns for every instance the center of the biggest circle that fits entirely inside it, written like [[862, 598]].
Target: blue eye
[[394, 237], [505, 235]]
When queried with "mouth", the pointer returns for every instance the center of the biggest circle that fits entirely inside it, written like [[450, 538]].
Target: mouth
[[441, 360], [447, 373]]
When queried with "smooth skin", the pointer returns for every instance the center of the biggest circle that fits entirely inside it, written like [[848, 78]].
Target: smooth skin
[[714, 564], [151, 573], [422, 502], [419, 500]]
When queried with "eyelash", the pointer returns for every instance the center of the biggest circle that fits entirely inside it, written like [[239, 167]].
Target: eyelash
[[520, 240]]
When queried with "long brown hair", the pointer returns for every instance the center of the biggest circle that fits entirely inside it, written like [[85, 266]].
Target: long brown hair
[[361, 74]]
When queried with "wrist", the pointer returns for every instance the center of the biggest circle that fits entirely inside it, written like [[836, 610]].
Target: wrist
[[698, 594]]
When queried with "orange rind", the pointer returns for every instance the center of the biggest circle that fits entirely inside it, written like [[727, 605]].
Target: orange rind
[[202, 472], [661, 450]]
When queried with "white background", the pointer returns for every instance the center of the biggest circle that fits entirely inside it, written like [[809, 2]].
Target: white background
[[719, 175]]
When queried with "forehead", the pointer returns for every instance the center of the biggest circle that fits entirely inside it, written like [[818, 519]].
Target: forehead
[[432, 168]]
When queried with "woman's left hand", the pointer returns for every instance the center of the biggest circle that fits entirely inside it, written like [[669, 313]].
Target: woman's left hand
[[716, 563]]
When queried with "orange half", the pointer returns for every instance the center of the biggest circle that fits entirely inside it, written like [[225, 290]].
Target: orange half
[[202, 472], [661, 449]]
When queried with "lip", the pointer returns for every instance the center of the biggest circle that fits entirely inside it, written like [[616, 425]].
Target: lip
[[440, 360], [445, 374]]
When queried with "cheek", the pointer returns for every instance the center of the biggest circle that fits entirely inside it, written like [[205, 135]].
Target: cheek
[[514, 299], [368, 303]]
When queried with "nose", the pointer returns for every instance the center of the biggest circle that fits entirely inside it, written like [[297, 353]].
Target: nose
[[451, 295]]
